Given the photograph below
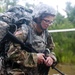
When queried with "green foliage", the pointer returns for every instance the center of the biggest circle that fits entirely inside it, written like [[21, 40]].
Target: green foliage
[[64, 42], [0, 9], [5, 4], [65, 46], [66, 57], [59, 19], [70, 10]]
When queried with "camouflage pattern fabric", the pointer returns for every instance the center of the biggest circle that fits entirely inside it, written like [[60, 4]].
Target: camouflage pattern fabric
[[9, 18], [27, 61], [3, 28], [43, 8], [27, 66], [20, 13], [20, 56]]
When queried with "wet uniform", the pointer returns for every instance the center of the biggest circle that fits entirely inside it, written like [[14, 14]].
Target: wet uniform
[[21, 61], [38, 42]]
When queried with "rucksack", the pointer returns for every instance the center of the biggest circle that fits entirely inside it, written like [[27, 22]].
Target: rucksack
[[13, 18]]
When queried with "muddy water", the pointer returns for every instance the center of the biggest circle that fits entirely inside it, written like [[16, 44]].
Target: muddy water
[[66, 69]]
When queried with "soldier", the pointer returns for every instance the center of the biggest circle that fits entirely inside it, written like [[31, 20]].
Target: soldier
[[8, 22], [23, 62]]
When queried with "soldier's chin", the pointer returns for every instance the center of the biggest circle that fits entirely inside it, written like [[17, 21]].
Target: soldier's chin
[[44, 29]]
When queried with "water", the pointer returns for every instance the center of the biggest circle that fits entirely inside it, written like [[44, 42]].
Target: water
[[66, 69]]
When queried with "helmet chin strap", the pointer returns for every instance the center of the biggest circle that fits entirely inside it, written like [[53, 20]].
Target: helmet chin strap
[[39, 23], [41, 27], [39, 33]]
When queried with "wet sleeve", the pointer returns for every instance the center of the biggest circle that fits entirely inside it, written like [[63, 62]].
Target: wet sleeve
[[3, 29], [50, 42], [53, 56], [32, 56], [25, 30], [50, 46], [22, 56], [22, 33]]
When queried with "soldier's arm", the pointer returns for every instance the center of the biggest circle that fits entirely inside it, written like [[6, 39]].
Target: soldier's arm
[[22, 34], [50, 46], [50, 42]]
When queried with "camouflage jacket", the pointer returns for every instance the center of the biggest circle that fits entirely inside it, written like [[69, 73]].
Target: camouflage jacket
[[38, 42]]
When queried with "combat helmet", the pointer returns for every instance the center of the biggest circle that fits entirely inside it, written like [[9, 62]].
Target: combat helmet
[[42, 10]]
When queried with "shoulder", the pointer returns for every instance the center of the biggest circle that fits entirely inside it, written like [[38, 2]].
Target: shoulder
[[25, 28], [3, 29], [46, 33]]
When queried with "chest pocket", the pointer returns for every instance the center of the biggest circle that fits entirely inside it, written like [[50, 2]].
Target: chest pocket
[[38, 42]]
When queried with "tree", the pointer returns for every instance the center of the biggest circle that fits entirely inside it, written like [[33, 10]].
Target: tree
[[59, 18], [10, 3], [70, 10]]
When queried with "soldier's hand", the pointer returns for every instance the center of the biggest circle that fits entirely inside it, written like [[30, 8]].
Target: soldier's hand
[[18, 33], [40, 58], [49, 61]]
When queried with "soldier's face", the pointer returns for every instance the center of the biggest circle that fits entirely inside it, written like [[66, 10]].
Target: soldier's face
[[47, 21]]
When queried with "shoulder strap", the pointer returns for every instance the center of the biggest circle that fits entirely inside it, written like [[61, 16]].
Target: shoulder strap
[[29, 36], [46, 35]]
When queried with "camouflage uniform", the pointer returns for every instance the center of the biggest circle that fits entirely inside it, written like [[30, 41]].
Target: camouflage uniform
[[9, 18], [20, 61], [25, 59]]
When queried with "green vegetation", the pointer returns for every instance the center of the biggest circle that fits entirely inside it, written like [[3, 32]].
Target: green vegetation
[[64, 42]]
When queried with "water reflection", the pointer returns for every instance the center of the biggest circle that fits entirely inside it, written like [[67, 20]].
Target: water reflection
[[66, 69]]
